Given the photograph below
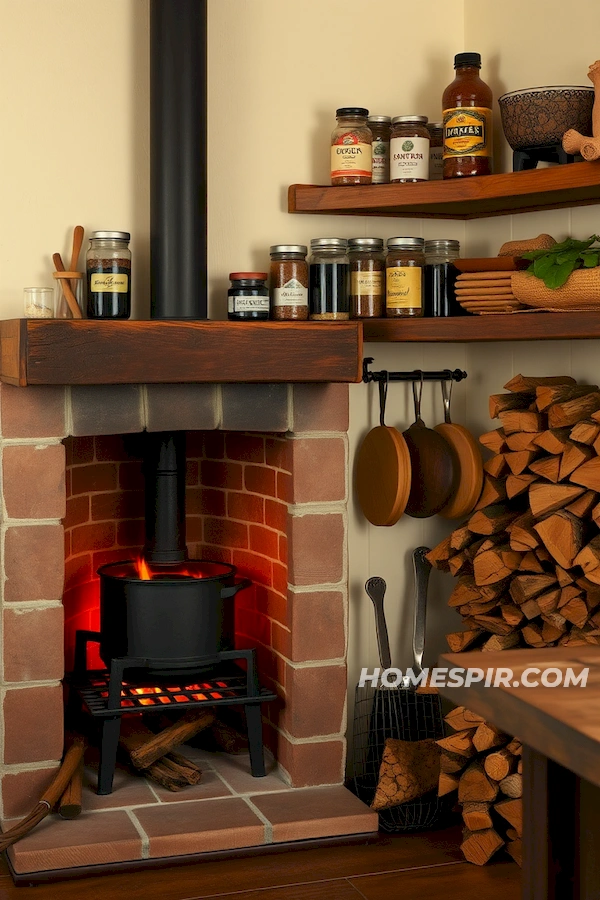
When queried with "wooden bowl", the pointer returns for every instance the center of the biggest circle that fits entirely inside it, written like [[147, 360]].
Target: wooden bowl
[[538, 117]]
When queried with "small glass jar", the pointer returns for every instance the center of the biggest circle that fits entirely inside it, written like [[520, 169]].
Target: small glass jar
[[367, 270], [440, 279], [436, 150], [108, 263], [409, 149], [289, 282], [381, 127], [248, 297], [404, 266], [351, 149], [62, 310], [328, 273], [38, 303]]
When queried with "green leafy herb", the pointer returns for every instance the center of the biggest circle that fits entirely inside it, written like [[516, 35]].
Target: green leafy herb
[[555, 265]]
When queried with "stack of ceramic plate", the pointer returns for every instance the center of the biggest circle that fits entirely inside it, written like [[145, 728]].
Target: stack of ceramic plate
[[486, 292]]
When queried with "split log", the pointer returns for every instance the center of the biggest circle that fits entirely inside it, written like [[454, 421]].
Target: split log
[[530, 609], [523, 440], [547, 498], [173, 772], [553, 440], [511, 834], [574, 456], [532, 635], [547, 395], [523, 420], [462, 640], [526, 587], [495, 466], [447, 784], [462, 719], [582, 507], [575, 611], [547, 468], [499, 764], [451, 763], [501, 642], [145, 747], [515, 746], [478, 608], [460, 743], [519, 460], [464, 591], [563, 577], [527, 383], [522, 535], [495, 565], [458, 563], [478, 847], [585, 432], [518, 484], [512, 786], [511, 613], [588, 474], [493, 491], [589, 556], [512, 811], [562, 536], [571, 411], [494, 440], [502, 402], [487, 737], [548, 602], [440, 554], [530, 563], [515, 849], [475, 785], [491, 520], [493, 624], [460, 538], [476, 815]]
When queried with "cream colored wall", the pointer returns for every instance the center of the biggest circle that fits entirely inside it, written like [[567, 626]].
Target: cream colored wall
[[74, 108]]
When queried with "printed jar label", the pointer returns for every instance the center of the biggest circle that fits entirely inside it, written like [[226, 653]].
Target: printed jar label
[[109, 283], [367, 284], [409, 158], [403, 287], [467, 131], [247, 304], [293, 293], [436, 163], [351, 156], [381, 162]]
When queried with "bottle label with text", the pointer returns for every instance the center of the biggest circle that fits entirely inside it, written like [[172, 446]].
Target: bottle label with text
[[381, 162], [367, 284], [109, 283], [409, 158], [403, 287], [350, 156], [292, 293], [467, 132]]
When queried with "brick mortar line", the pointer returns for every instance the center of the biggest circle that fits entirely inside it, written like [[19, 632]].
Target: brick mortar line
[[218, 408], [23, 685], [17, 768], [290, 409], [142, 834], [68, 411], [41, 441], [327, 508], [268, 833], [309, 435], [144, 406], [316, 739], [16, 523], [25, 605]]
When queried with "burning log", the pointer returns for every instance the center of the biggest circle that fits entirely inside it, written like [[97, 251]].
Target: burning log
[[145, 747]]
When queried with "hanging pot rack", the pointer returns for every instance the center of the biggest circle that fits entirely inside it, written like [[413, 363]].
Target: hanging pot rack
[[415, 375]]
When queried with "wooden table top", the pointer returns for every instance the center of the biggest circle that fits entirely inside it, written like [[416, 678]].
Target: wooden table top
[[562, 722]]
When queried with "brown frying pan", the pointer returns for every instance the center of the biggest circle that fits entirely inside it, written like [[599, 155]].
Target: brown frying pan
[[432, 465], [468, 462], [383, 474]]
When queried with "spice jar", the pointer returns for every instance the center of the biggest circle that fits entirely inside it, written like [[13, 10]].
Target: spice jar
[[440, 279], [409, 149], [381, 127], [351, 150], [289, 282], [436, 150], [328, 295], [467, 105], [248, 297], [367, 266], [108, 263], [404, 276]]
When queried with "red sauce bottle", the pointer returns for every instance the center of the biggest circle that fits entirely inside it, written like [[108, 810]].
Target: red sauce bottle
[[467, 117]]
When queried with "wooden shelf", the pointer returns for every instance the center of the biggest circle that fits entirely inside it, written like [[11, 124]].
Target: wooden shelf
[[534, 326], [55, 351], [576, 184]]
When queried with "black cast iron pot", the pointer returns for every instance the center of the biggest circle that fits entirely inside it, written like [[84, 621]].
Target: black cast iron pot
[[173, 620]]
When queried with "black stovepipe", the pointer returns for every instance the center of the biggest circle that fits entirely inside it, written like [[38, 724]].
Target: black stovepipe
[[164, 473], [178, 159]]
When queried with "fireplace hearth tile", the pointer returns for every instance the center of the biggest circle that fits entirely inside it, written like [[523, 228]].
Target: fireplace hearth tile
[[209, 788], [38, 412], [236, 772], [200, 826], [91, 839], [128, 789], [315, 813], [106, 409], [181, 407]]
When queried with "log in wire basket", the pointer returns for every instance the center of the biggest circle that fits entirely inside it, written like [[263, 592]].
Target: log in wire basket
[[381, 713]]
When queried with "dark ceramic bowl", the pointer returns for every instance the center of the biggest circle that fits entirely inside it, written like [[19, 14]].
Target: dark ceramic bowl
[[538, 117]]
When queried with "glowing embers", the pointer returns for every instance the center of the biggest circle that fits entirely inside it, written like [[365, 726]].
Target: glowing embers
[[169, 695], [141, 570]]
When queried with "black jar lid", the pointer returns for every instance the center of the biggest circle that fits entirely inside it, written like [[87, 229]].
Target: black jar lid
[[467, 59], [352, 111]]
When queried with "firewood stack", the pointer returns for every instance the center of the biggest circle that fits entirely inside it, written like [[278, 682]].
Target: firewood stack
[[528, 558], [484, 766]]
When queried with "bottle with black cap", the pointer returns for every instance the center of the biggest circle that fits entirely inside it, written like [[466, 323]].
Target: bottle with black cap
[[467, 117]]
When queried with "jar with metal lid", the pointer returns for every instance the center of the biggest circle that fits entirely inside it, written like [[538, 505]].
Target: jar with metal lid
[[381, 127], [328, 274], [404, 266], [367, 268], [409, 149], [289, 282], [248, 297], [436, 150], [440, 278], [351, 149], [108, 264]]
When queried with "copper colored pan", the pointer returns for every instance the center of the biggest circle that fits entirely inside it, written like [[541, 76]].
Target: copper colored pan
[[468, 463], [432, 465], [383, 474]]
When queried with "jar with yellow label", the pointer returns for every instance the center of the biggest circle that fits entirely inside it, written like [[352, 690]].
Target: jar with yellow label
[[404, 267], [367, 271], [409, 149], [108, 263], [351, 147]]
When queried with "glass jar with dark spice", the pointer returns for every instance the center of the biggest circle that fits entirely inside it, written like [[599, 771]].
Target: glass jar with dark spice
[[404, 276], [367, 283], [381, 127], [351, 150], [108, 264], [440, 278], [289, 282], [248, 297], [409, 149], [328, 274]]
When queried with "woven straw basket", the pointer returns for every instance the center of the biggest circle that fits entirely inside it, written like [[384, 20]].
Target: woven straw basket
[[581, 291]]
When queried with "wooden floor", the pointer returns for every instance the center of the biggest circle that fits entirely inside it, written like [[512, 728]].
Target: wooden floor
[[427, 867]]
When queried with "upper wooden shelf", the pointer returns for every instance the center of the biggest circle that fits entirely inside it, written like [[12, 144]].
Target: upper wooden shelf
[[60, 351], [576, 184], [533, 326]]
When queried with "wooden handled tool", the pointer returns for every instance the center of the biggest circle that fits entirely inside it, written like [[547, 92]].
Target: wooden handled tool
[[66, 286]]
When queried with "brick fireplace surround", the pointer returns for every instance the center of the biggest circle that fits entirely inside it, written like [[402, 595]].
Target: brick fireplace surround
[[267, 488]]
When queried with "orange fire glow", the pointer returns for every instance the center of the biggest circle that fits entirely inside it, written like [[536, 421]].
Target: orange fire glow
[[142, 570]]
